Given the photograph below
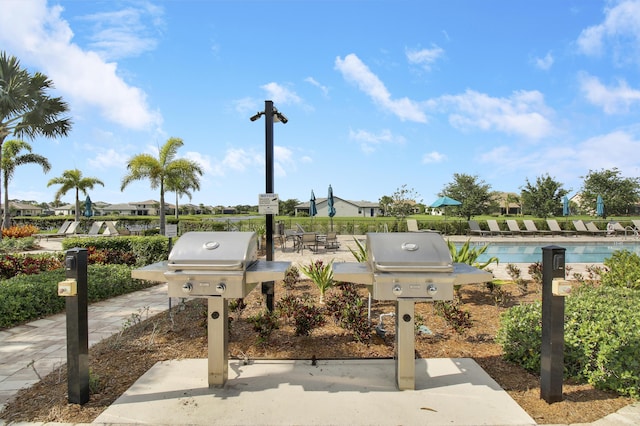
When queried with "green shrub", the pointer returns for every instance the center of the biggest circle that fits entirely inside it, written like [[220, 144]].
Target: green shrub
[[27, 264], [601, 337], [624, 270], [29, 297], [147, 250]]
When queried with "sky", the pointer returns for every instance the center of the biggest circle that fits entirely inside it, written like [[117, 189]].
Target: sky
[[378, 93]]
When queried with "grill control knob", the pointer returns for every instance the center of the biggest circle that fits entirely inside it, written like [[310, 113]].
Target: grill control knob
[[221, 288], [397, 289], [186, 288], [432, 289]]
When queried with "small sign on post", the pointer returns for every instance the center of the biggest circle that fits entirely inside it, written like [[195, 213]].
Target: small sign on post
[[171, 230], [268, 204]]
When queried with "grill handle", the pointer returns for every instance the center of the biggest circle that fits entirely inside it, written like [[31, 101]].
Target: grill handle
[[211, 266], [407, 268]]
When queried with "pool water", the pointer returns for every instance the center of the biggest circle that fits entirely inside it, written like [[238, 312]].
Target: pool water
[[575, 252]]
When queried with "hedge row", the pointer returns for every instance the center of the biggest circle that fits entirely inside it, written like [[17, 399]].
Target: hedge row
[[147, 250], [29, 297], [601, 340]]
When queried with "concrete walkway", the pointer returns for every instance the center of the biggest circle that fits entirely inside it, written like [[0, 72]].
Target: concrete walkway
[[39, 347]]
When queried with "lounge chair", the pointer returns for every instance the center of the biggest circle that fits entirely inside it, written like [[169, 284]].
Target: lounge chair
[[593, 228], [495, 228], [111, 228], [95, 228], [557, 230], [60, 232], [412, 226], [73, 228], [614, 228], [515, 228], [531, 227], [475, 229]]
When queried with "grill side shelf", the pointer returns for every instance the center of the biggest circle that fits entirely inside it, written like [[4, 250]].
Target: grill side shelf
[[467, 274], [262, 271], [351, 272], [153, 272]]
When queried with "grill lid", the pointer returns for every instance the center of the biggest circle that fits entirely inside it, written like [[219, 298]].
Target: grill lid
[[408, 252], [214, 251]]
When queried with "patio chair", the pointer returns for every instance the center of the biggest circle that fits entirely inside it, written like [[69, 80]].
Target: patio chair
[[531, 227], [557, 230], [331, 241], [593, 228], [294, 237], [310, 241], [515, 228], [475, 229], [495, 228]]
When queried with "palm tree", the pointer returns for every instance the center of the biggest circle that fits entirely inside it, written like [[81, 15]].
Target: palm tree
[[26, 109], [72, 179], [12, 158], [182, 183], [165, 172]]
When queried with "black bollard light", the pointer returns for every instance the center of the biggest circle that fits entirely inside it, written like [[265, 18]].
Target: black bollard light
[[552, 349], [74, 288]]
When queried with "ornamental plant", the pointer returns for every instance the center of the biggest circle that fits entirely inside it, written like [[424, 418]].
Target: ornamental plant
[[320, 274]]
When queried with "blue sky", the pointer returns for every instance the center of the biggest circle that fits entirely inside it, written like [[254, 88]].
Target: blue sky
[[378, 94]]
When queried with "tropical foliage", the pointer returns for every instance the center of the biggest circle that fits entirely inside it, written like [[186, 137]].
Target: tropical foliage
[[620, 194], [544, 199], [320, 274], [12, 157], [166, 172], [476, 195], [72, 179], [26, 108]]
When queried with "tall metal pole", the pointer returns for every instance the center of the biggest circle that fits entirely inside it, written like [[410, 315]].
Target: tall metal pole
[[268, 287]]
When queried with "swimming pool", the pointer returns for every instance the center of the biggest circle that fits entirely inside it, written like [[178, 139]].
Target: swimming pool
[[523, 252]]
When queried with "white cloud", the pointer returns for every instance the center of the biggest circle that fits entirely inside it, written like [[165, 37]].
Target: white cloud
[[313, 82], [240, 160], [424, 57], [544, 63], [124, 33], [612, 100], [107, 158], [369, 142], [40, 37], [590, 152], [204, 161], [523, 113], [433, 157], [618, 33], [355, 71], [280, 94]]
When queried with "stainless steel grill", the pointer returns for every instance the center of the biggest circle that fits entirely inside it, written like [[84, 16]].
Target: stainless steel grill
[[408, 267], [218, 266]]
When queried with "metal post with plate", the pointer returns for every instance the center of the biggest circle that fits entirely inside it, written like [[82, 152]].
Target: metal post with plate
[[268, 204]]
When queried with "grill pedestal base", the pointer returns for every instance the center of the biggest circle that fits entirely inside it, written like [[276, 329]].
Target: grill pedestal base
[[405, 352], [218, 341]]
